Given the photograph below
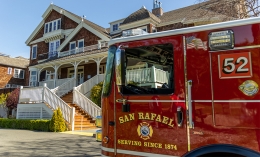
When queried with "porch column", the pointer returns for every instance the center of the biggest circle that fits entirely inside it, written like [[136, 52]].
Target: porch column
[[75, 64], [98, 61], [56, 67]]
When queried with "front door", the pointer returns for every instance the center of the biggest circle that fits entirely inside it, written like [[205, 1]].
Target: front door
[[150, 107], [80, 76]]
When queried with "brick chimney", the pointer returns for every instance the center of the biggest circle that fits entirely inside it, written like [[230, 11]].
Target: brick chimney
[[157, 8]]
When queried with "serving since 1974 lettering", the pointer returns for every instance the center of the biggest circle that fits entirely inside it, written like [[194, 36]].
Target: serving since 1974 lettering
[[147, 116]]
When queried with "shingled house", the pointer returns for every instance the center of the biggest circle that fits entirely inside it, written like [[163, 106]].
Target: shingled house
[[157, 20], [13, 72], [67, 58]]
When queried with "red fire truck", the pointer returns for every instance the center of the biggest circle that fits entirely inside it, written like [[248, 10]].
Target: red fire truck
[[190, 92]]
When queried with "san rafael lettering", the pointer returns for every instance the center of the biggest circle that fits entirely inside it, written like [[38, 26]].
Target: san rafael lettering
[[146, 116]]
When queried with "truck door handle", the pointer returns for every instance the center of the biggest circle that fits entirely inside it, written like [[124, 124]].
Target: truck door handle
[[179, 116], [125, 106]]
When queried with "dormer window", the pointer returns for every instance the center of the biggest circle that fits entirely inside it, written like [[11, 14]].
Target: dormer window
[[52, 26], [115, 27]]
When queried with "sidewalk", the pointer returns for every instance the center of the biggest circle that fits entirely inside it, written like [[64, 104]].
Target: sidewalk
[[88, 132]]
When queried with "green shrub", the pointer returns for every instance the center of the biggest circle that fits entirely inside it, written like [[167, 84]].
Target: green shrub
[[27, 124], [96, 92], [57, 123]]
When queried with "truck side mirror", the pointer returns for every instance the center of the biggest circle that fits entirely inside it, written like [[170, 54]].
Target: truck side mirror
[[120, 67]]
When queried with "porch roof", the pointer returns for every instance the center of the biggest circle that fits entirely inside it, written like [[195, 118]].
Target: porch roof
[[88, 55]]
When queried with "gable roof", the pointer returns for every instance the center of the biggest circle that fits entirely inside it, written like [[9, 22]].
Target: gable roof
[[19, 62], [97, 29], [140, 14], [192, 13]]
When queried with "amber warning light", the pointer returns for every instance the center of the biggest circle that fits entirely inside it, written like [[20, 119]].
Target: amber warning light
[[221, 40]]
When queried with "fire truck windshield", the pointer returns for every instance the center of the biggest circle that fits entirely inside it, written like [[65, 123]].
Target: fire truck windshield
[[109, 70], [149, 70]]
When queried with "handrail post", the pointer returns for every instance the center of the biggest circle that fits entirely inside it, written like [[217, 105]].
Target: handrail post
[[72, 114], [21, 88], [74, 94], [43, 89]]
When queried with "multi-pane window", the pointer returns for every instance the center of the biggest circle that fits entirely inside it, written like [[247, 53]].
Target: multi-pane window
[[115, 27], [9, 71], [19, 73], [33, 78], [53, 46], [52, 26], [34, 51], [81, 45]]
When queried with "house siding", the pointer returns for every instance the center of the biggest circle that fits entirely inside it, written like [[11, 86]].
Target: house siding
[[8, 78], [39, 34], [67, 23], [89, 38], [42, 48]]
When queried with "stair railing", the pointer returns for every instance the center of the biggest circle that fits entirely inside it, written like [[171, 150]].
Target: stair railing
[[65, 87], [85, 87], [45, 95], [82, 92], [87, 105]]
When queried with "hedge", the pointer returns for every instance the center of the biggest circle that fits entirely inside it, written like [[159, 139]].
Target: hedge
[[40, 125]]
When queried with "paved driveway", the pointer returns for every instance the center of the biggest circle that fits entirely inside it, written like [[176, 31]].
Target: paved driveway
[[15, 143]]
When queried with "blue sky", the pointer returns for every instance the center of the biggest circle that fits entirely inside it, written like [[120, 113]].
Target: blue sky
[[19, 18]]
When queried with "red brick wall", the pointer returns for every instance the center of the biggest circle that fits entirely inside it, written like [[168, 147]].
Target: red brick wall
[[8, 79], [89, 38]]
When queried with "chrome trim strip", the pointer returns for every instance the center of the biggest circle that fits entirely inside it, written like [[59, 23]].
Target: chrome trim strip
[[193, 101], [186, 90], [249, 101], [238, 48], [212, 89], [191, 124], [155, 100], [209, 27], [115, 118], [107, 149], [135, 152]]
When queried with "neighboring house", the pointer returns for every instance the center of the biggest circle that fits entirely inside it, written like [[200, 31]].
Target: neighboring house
[[157, 20], [14, 72]]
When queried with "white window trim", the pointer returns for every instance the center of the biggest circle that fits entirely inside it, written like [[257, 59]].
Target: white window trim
[[33, 82], [73, 42], [7, 86], [19, 70], [117, 27], [52, 25], [68, 73], [144, 27], [80, 41], [9, 71], [35, 53]]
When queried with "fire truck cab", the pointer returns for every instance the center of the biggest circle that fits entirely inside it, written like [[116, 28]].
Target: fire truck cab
[[190, 92]]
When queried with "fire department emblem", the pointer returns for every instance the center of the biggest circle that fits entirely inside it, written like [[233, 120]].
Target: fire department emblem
[[249, 87], [145, 130]]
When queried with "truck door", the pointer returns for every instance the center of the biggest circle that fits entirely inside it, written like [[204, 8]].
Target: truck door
[[149, 98]]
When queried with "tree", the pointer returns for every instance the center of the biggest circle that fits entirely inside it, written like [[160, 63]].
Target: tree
[[3, 98], [57, 123], [232, 9], [12, 99]]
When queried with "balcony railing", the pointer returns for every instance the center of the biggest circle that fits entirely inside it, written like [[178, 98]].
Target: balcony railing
[[83, 49]]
